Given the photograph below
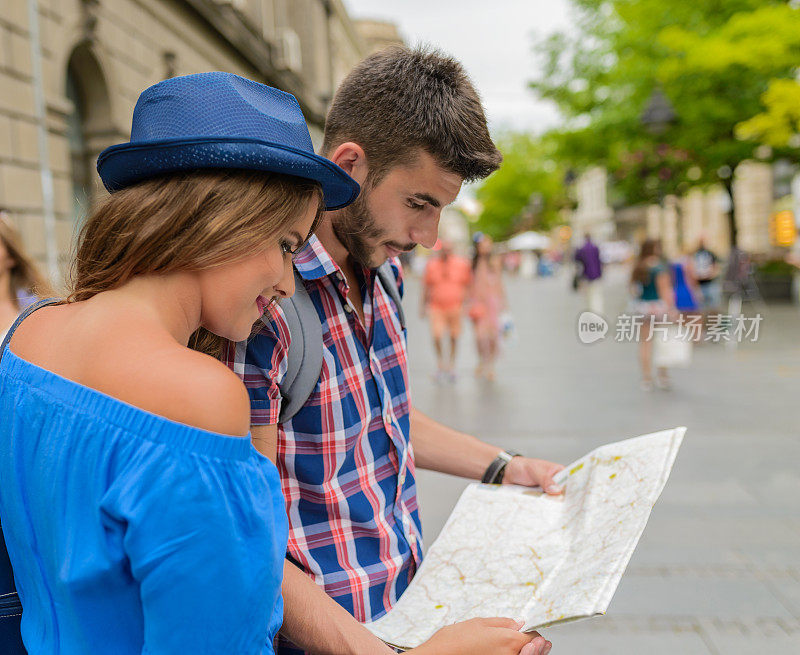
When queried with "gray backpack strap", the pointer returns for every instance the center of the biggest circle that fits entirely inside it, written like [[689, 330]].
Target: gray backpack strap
[[389, 283], [305, 350], [25, 313]]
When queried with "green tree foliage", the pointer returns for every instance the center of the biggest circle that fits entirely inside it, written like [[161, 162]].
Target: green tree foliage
[[750, 59], [713, 59], [526, 192], [763, 44], [779, 124]]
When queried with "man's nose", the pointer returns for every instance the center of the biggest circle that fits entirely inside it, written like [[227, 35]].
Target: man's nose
[[426, 231], [285, 287]]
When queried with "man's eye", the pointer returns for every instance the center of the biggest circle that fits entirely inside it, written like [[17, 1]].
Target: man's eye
[[415, 205]]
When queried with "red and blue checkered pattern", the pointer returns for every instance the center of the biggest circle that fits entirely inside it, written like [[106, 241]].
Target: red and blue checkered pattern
[[346, 462]]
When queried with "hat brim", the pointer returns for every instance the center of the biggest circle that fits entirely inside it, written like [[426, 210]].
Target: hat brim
[[125, 164]]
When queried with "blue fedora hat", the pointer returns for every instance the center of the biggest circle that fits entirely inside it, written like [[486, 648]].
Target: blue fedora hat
[[220, 120]]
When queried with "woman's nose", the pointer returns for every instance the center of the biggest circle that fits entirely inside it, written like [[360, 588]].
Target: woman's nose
[[285, 287]]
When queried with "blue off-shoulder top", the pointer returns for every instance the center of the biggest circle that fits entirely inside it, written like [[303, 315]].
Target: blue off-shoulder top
[[131, 533]]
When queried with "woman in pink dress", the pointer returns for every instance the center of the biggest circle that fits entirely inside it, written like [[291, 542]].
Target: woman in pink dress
[[487, 302]]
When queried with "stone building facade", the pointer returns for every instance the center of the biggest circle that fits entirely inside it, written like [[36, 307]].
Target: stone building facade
[[680, 223], [593, 214], [378, 34], [71, 71]]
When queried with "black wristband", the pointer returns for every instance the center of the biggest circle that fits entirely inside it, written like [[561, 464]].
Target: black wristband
[[497, 469]]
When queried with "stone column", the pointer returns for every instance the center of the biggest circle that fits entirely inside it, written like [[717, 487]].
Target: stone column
[[653, 221], [592, 213], [669, 225], [752, 199], [693, 218], [717, 226]]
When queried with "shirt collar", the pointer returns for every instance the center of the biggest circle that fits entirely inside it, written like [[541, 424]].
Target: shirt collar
[[313, 261]]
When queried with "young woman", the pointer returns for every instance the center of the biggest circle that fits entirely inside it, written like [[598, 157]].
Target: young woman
[[20, 280], [487, 301], [137, 514], [654, 298]]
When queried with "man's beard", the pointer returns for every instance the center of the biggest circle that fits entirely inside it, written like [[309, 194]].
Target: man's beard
[[357, 231]]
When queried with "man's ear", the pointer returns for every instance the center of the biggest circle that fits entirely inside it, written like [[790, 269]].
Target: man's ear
[[350, 157]]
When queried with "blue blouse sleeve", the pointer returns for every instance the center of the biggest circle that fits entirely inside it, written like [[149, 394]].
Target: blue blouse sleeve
[[205, 543]]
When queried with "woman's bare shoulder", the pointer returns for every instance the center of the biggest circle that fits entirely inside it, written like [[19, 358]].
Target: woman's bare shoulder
[[200, 391], [139, 366]]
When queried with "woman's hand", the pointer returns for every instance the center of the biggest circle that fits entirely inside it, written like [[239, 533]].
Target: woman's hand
[[484, 637]]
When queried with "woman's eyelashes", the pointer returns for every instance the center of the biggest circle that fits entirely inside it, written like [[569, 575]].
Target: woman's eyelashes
[[287, 247]]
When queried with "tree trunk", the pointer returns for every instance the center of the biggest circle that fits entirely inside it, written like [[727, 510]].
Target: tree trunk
[[728, 184]]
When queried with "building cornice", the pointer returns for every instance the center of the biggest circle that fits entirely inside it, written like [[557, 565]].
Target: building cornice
[[337, 8], [239, 34]]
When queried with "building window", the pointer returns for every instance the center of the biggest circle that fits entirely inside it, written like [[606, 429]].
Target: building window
[[79, 154]]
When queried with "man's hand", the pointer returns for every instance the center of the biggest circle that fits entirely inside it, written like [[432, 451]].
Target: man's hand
[[530, 472]]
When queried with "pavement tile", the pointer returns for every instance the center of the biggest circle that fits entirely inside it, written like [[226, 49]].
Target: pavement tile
[[596, 638], [710, 530], [621, 644], [771, 558], [690, 595], [751, 637], [650, 554], [787, 588]]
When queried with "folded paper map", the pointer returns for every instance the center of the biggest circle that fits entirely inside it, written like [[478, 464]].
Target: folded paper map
[[516, 552]]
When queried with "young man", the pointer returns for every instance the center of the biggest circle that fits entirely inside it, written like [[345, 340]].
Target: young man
[[588, 258], [706, 269], [409, 127], [447, 278]]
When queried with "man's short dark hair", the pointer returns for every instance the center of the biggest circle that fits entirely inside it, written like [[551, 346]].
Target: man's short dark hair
[[399, 100]]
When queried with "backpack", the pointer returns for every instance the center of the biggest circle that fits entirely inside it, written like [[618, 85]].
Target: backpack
[[305, 350]]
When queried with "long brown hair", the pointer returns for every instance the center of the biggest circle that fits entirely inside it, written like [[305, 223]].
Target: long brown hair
[[25, 275], [641, 270], [186, 221]]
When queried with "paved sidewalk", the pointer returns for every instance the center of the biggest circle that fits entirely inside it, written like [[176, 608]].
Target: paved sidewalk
[[718, 568]]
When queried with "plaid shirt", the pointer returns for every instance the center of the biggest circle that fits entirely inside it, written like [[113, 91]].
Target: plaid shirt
[[345, 458]]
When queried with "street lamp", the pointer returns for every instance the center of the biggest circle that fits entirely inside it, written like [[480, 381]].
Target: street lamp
[[656, 118], [659, 114]]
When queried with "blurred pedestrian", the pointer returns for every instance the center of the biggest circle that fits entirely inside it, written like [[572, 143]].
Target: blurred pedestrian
[[707, 272], [487, 300], [688, 296], [21, 283], [590, 275], [654, 299], [447, 278]]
